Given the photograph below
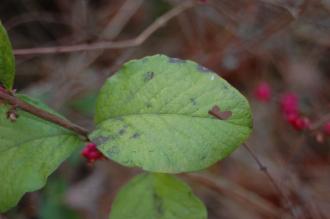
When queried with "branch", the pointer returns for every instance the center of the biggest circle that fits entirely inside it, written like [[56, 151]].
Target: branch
[[263, 168], [114, 27], [216, 113], [162, 20], [14, 101]]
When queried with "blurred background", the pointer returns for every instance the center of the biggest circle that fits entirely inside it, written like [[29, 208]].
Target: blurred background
[[265, 48]]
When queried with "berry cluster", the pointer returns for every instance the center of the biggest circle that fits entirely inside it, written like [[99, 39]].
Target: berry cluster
[[91, 153], [290, 108], [289, 104]]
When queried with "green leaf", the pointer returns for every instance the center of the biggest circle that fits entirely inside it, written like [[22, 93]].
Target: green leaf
[[154, 114], [157, 196], [30, 150], [7, 60]]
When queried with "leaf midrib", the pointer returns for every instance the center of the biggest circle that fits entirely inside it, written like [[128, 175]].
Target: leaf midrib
[[172, 114]]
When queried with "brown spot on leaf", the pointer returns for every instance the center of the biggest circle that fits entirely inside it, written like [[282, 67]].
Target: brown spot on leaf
[[101, 140], [216, 112], [121, 131], [193, 101], [113, 151], [148, 105], [148, 76], [203, 157], [135, 135]]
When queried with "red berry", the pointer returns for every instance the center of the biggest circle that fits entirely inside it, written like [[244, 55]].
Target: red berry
[[91, 153], [263, 92], [326, 128], [291, 117], [299, 123], [85, 152], [289, 104], [91, 146]]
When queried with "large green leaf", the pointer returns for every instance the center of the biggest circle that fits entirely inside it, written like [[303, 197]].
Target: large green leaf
[[7, 60], [154, 114], [30, 150], [157, 196]]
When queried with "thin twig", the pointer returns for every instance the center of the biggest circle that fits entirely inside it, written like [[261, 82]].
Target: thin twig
[[112, 44], [14, 101], [263, 168], [119, 21]]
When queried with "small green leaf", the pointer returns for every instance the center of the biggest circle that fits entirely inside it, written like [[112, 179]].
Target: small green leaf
[[7, 60], [154, 114], [30, 150], [157, 196]]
